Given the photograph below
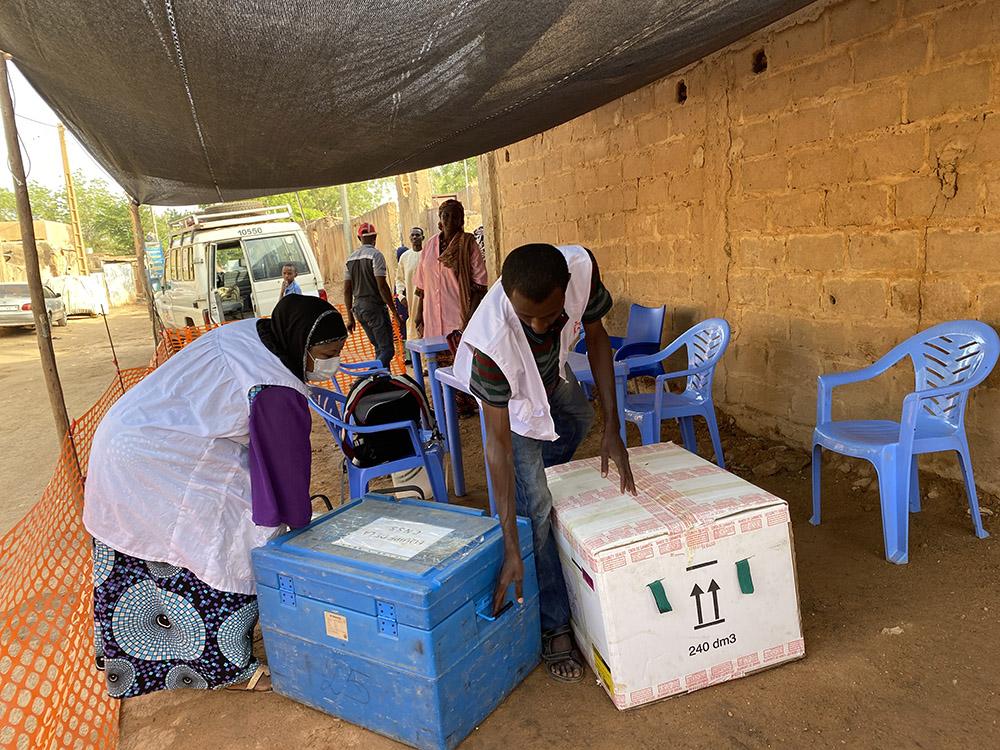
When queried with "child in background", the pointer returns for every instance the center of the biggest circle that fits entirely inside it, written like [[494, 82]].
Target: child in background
[[288, 283]]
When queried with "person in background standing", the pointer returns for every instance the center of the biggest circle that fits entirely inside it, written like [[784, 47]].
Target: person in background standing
[[451, 278], [367, 296], [406, 267], [450, 283], [398, 299]]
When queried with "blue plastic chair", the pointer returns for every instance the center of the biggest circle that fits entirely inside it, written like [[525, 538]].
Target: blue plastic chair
[[645, 327], [642, 338], [948, 361], [427, 453], [706, 342]]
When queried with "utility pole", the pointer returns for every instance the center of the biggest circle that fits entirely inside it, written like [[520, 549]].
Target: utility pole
[[74, 215], [38, 311], [302, 212], [156, 230], [468, 199], [139, 242], [345, 211]]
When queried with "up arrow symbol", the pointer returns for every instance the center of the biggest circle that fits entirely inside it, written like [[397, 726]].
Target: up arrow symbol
[[713, 589], [696, 592]]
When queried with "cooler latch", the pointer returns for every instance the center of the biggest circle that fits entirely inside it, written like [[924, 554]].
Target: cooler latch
[[286, 590], [387, 619]]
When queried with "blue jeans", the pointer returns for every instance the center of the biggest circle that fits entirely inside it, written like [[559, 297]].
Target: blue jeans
[[373, 316], [573, 415]]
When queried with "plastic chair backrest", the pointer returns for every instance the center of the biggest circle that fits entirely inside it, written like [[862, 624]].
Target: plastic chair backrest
[[706, 342], [645, 324], [958, 353], [330, 405]]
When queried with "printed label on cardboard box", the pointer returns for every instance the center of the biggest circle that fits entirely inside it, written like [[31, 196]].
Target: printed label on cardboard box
[[602, 670], [394, 537], [336, 625]]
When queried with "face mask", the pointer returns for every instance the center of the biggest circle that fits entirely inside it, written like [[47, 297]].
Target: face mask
[[326, 369]]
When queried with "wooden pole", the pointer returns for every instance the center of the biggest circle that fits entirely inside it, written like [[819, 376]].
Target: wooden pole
[[74, 214], [38, 311], [345, 210], [139, 242]]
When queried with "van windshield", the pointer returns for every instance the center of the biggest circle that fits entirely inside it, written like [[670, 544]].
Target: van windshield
[[267, 255]]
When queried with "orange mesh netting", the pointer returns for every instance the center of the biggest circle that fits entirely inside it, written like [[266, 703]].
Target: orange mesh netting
[[51, 693]]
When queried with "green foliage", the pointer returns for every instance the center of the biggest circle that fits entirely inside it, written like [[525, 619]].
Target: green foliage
[[325, 201], [450, 178], [8, 206], [104, 217], [104, 214], [48, 204]]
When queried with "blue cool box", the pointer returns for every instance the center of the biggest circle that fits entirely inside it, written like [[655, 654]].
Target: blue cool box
[[380, 613]]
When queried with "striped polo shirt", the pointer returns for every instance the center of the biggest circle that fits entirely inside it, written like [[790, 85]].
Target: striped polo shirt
[[488, 382]]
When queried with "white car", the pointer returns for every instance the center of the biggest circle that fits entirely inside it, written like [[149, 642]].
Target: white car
[[226, 265], [15, 305]]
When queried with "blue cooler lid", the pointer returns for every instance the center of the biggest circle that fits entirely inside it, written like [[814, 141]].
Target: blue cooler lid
[[419, 555]]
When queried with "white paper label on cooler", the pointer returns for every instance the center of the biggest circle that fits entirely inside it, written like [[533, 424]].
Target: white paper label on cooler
[[336, 625], [402, 540]]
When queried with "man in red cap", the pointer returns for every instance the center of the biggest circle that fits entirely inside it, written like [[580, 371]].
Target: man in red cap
[[367, 295]]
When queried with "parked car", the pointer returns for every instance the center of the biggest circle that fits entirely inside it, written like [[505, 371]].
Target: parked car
[[15, 305], [226, 264]]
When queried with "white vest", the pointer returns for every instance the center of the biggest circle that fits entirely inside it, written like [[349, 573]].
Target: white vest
[[496, 331], [169, 477]]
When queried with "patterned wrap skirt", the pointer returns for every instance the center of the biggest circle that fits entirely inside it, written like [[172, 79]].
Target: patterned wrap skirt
[[158, 627]]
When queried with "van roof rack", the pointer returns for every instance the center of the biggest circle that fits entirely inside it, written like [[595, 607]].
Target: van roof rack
[[216, 219]]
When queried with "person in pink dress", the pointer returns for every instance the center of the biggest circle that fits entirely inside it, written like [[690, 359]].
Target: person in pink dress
[[451, 278]]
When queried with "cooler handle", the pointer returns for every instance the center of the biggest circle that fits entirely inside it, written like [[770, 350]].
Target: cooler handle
[[484, 609]]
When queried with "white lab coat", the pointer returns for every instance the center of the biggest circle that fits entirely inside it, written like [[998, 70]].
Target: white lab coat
[[496, 331], [168, 478]]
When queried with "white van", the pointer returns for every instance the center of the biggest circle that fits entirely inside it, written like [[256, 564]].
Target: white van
[[226, 265]]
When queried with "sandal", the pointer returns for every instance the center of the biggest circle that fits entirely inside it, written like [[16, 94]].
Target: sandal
[[571, 654], [251, 684]]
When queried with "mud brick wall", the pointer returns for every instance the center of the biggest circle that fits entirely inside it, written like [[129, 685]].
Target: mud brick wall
[[830, 185]]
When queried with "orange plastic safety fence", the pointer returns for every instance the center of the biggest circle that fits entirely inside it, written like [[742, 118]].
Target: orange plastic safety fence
[[51, 693]]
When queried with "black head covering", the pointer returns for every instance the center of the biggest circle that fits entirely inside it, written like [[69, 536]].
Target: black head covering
[[296, 323]]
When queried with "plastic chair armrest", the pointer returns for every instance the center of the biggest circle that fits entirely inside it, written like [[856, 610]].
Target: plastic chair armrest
[[827, 382], [652, 359], [637, 349]]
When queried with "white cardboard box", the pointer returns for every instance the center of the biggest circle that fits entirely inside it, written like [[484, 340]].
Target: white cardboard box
[[689, 584]]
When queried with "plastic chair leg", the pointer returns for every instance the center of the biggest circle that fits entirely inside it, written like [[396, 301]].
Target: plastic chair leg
[[817, 468], [687, 434], [356, 483], [893, 484], [434, 463], [649, 429], [970, 491], [713, 431], [914, 486]]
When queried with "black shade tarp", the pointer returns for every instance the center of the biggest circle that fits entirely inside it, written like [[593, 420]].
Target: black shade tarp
[[195, 101]]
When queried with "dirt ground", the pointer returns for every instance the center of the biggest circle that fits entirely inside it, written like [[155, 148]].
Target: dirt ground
[[28, 443], [932, 685]]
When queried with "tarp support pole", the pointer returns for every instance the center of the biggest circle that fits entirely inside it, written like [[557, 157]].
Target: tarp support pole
[[42, 331], [345, 210], [139, 242]]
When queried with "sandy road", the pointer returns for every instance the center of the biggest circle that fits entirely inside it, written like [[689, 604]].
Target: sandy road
[[28, 443]]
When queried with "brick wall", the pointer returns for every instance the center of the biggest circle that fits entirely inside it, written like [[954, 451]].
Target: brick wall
[[828, 206]]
